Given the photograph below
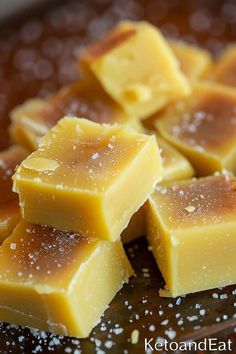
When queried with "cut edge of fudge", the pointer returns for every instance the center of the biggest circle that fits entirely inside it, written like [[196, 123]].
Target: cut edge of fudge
[[168, 243], [139, 93], [32, 296], [109, 220], [198, 155]]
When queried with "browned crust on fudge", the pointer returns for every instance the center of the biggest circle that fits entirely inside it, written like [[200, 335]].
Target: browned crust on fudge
[[107, 43]]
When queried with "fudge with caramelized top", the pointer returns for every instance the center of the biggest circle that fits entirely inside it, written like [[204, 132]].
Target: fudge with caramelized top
[[33, 119], [88, 177], [224, 71], [191, 229], [194, 62], [9, 203], [58, 282], [175, 167], [203, 128], [136, 67]]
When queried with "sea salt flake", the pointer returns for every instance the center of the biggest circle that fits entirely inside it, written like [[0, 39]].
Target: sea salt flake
[[152, 328], [13, 246], [178, 301], [95, 155], [170, 334], [190, 208]]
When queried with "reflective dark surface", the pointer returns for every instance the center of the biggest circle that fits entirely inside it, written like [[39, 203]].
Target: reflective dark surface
[[138, 306]]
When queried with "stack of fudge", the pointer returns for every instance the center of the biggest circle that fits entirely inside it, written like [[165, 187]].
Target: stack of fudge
[[143, 144]]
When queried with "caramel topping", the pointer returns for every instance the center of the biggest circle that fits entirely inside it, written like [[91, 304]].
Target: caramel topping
[[109, 42], [210, 200], [206, 121], [80, 100], [42, 255], [89, 155]]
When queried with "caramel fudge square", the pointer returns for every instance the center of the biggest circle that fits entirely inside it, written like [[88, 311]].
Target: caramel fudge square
[[191, 229], [34, 118], [203, 128], [194, 62], [136, 66], [88, 177], [58, 282]]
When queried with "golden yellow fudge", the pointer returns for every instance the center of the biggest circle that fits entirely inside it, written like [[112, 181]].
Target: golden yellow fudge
[[135, 228], [191, 229], [33, 119], [136, 67], [9, 204], [26, 127], [194, 61], [175, 167], [58, 282], [224, 70], [203, 128], [88, 177]]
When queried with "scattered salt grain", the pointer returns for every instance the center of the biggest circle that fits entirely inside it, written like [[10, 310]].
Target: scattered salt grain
[[95, 155], [108, 344], [170, 334], [178, 301], [192, 318], [13, 246], [118, 331], [152, 328], [190, 208]]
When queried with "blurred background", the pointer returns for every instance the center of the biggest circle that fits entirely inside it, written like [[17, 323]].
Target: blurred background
[[40, 39]]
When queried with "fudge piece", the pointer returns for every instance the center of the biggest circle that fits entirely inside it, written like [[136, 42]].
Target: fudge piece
[[136, 67], [88, 177], [203, 127], [135, 228], [224, 70], [175, 165], [33, 119], [9, 204], [58, 282], [26, 127], [191, 229], [194, 61]]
